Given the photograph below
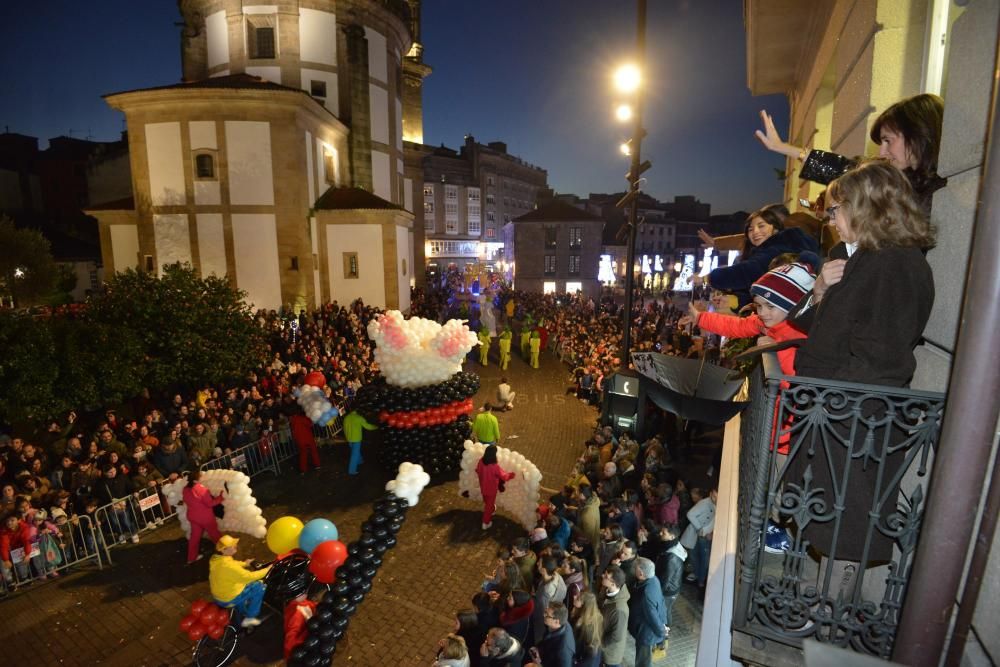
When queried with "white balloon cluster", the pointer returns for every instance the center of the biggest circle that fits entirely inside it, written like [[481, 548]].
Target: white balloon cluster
[[520, 497], [242, 514], [418, 352], [315, 404], [408, 484]]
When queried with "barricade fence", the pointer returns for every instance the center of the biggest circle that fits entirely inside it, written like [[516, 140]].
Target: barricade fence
[[55, 549]]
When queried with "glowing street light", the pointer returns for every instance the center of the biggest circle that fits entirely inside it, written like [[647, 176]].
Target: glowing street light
[[623, 112], [627, 78], [625, 149]]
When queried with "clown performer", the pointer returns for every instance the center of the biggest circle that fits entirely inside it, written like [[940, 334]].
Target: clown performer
[[484, 345], [504, 342]]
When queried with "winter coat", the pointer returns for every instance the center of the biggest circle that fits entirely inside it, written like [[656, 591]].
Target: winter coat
[[702, 517], [589, 520], [553, 590], [562, 534], [108, 490], [512, 658], [738, 277], [669, 558], [647, 613], [751, 327], [19, 538], [199, 502], [558, 647], [490, 476], [174, 460], [864, 330], [201, 447], [615, 611]]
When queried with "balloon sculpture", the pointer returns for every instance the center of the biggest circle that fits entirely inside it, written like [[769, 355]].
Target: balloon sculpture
[[205, 618], [355, 566], [313, 401], [521, 495], [422, 400], [241, 512]]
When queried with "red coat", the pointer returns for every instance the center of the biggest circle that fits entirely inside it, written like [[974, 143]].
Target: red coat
[[199, 502], [295, 625], [20, 537], [490, 476], [302, 430]]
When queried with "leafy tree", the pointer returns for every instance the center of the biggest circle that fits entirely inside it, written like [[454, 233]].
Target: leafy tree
[[191, 330], [29, 369], [27, 270]]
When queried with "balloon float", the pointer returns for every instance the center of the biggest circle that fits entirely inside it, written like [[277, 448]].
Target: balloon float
[[423, 400], [521, 495], [241, 512], [359, 563], [204, 618], [313, 401]]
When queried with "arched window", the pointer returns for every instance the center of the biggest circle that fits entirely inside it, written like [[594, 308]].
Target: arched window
[[204, 165]]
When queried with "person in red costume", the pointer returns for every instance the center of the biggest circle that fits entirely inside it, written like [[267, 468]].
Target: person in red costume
[[298, 611], [302, 434], [491, 476], [200, 503]]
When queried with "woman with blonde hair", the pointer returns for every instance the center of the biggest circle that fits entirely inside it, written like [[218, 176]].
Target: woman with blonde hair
[[588, 627], [452, 652]]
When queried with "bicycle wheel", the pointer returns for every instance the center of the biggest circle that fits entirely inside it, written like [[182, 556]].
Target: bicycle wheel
[[210, 652]]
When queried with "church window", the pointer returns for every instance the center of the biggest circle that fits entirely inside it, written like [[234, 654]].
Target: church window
[[262, 36], [351, 265], [204, 166], [317, 88]]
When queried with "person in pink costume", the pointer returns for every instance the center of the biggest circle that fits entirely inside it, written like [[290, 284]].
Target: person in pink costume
[[491, 476], [200, 503]]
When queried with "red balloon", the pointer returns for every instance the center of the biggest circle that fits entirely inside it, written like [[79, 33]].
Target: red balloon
[[326, 558], [196, 632], [315, 379], [187, 622], [207, 615], [216, 631], [197, 606]]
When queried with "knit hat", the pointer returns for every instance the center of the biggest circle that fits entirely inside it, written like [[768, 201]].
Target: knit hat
[[58, 513], [784, 286]]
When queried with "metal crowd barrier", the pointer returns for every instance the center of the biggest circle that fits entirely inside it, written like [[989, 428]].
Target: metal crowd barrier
[[76, 542]]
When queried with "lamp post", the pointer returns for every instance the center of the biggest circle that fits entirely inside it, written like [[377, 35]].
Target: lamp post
[[628, 79]]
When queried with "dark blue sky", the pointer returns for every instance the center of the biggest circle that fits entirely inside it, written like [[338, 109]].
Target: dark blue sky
[[533, 73]]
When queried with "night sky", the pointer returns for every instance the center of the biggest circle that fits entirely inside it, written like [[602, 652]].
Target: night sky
[[532, 73]]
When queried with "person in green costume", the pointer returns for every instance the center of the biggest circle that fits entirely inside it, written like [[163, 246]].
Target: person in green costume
[[484, 346], [505, 339], [535, 343], [486, 427], [526, 328]]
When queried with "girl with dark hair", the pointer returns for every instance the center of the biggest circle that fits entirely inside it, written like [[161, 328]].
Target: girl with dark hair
[[467, 627], [491, 477], [199, 503], [765, 238], [516, 616]]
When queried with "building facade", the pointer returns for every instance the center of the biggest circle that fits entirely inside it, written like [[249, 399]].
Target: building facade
[[554, 249], [279, 103], [468, 196]]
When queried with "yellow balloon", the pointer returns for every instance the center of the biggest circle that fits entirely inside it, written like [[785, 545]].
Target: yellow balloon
[[283, 535]]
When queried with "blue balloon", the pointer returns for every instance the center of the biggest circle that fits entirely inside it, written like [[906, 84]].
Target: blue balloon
[[315, 533]]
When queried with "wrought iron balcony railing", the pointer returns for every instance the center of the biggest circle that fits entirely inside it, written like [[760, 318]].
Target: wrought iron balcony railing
[[843, 469]]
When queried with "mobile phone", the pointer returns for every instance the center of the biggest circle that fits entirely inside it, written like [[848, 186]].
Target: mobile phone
[[805, 202]]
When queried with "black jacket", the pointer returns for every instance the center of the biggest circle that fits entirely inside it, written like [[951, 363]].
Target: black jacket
[[740, 276], [558, 648]]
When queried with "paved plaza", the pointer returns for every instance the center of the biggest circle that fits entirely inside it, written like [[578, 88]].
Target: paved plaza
[[127, 614]]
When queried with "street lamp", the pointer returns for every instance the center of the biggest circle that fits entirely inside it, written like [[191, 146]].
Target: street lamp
[[623, 112], [628, 79]]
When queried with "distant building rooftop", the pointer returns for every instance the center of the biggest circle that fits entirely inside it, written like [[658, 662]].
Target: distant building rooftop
[[558, 211], [338, 199]]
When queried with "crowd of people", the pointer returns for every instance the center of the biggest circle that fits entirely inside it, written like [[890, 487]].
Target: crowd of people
[[605, 561], [79, 464]]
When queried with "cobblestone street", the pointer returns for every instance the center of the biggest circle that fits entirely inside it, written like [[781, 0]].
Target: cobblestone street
[[127, 614]]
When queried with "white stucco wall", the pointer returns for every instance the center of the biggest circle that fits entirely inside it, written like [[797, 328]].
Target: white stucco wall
[[366, 240], [202, 134], [164, 161], [124, 246], [331, 100], [403, 257], [272, 74], [173, 239], [381, 176], [255, 244], [211, 244], [249, 162], [217, 36], [377, 52], [310, 172], [317, 36], [378, 102], [399, 124], [207, 193], [408, 194]]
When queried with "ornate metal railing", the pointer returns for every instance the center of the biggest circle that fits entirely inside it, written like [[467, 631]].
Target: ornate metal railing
[[849, 495]]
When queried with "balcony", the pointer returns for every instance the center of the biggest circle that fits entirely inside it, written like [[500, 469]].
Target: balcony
[[850, 493]]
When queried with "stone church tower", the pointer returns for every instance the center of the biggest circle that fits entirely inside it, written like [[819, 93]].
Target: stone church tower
[[278, 161]]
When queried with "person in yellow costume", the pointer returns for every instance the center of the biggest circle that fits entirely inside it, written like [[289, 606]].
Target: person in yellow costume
[[526, 328], [484, 346], [510, 309], [535, 343], [505, 339], [233, 585]]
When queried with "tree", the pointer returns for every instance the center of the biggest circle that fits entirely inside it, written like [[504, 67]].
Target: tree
[[27, 270], [191, 330]]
